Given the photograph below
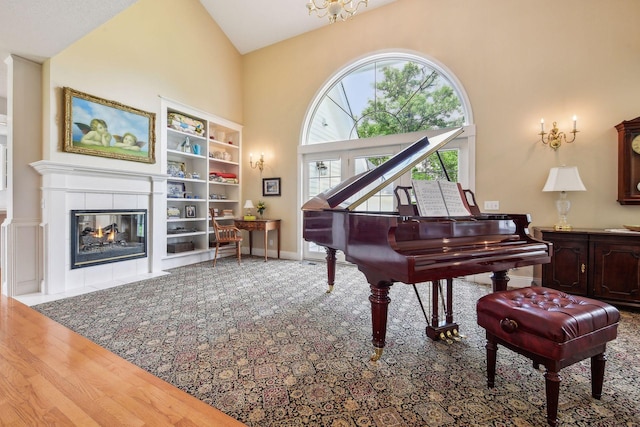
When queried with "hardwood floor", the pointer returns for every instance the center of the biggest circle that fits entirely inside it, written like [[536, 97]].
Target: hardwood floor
[[51, 375]]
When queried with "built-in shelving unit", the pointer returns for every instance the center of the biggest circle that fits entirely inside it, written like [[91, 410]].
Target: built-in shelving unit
[[202, 163]]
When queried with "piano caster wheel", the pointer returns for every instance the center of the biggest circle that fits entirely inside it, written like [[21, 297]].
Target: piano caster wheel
[[377, 354], [330, 289]]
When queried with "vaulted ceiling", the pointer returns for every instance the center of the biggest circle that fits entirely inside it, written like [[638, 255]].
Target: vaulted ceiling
[[40, 29]]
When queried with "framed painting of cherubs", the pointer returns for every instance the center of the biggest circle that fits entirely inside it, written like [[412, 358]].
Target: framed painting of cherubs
[[99, 127]]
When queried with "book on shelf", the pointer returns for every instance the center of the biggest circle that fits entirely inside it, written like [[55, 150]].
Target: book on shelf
[[440, 198]]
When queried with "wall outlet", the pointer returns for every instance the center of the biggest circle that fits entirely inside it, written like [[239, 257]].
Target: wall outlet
[[491, 205], [270, 242]]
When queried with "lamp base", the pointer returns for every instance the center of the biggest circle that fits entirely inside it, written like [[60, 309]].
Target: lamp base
[[249, 217], [562, 227]]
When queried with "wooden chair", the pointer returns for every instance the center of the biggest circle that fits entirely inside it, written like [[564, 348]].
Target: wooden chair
[[225, 234]]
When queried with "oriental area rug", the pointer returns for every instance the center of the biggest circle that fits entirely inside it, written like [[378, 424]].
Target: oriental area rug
[[264, 343]]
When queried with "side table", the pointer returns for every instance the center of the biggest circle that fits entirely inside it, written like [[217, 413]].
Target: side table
[[260, 225]]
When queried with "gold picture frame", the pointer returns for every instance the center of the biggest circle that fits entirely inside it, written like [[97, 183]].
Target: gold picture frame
[[104, 128]]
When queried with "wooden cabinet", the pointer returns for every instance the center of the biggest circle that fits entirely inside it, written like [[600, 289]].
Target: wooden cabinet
[[201, 155], [595, 263]]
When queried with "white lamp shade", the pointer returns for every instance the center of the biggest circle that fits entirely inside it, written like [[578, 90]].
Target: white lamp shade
[[248, 204], [564, 178]]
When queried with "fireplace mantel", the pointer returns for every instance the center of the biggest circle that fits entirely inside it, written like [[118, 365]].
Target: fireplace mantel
[[45, 167]]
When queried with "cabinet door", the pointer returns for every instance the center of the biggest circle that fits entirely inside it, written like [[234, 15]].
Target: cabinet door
[[567, 271], [616, 269]]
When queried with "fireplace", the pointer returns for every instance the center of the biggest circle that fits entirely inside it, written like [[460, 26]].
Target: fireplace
[[108, 235]]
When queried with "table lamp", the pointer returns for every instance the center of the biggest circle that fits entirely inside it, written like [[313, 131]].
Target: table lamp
[[563, 179], [248, 205]]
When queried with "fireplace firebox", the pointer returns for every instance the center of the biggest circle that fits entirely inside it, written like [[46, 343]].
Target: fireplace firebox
[[108, 235]]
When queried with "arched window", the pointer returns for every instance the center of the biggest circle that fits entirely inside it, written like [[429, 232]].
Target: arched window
[[386, 94], [371, 110]]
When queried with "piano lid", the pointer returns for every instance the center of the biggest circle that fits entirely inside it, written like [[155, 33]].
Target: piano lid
[[375, 179]]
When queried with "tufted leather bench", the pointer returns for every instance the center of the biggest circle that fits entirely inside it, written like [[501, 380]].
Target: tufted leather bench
[[551, 328]]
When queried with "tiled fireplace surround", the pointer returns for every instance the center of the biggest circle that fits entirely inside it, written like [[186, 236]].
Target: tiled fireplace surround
[[67, 187]]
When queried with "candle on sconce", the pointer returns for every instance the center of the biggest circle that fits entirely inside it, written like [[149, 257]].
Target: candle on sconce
[[250, 157], [541, 125], [575, 121]]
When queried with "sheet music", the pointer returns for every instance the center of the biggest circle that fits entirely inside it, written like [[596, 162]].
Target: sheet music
[[439, 198]]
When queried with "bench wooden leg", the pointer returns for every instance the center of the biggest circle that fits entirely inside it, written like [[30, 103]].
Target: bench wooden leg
[[597, 374], [552, 385], [492, 350]]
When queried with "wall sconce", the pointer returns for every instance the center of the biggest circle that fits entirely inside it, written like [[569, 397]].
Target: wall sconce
[[258, 164], [563, 179], [555, 137], [321, 168]]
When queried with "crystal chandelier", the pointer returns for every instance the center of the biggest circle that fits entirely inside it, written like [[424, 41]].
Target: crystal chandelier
[[335, 9]]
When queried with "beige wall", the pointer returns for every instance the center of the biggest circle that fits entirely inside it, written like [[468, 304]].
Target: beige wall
[[518, 61], [154, 48]]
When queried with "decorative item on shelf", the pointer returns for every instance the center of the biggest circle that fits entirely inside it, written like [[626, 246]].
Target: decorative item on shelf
[[257, 164], [175, 190], [176, 169], [563, 179], [555, 137], [261, 208], [335, 9], [196, 149], [173, 212], [186, 145], [185, 124], [248, 205], [180, 247], [190, 211]]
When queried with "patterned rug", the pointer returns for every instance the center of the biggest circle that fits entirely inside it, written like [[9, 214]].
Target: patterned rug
[[264, 343]]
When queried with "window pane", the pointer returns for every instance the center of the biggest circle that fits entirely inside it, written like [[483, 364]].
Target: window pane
[[384, 97]]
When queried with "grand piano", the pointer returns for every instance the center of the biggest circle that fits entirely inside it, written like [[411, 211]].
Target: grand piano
[[401, 246]]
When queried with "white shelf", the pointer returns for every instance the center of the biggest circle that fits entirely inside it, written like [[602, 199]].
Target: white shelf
[[186, 219], [227, 162], [186, 155], [203, 163], [223, 144], [186, 253], [189, 234]]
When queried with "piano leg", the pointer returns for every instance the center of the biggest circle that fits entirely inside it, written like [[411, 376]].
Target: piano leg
[[379, 300], [499, 280], [331, 267]]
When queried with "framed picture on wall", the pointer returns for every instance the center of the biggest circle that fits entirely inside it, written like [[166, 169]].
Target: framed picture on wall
[[99, 127], [271, 186]]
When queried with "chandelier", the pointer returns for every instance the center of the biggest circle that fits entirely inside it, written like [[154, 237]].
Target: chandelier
[[335, 9]]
